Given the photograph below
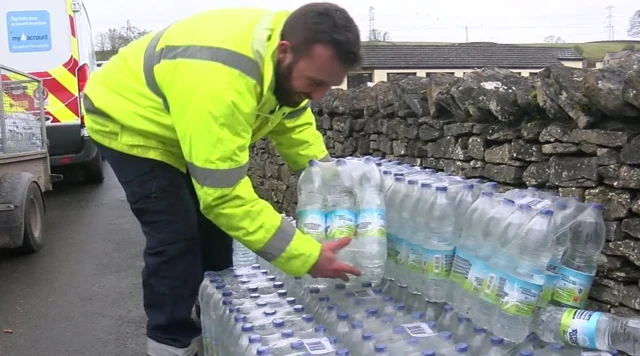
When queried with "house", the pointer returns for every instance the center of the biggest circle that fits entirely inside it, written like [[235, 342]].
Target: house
[[394, 61], [610, 58]]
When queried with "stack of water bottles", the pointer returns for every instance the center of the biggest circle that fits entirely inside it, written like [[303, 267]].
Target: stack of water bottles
[[451, 267]]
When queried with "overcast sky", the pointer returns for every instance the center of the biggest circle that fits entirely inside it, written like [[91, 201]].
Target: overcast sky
[[504, 21]]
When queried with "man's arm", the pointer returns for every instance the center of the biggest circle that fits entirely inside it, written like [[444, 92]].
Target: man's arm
[[212, 107], [297, 140]]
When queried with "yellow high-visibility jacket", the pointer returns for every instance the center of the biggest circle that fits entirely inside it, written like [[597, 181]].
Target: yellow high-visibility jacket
[[195, 95]]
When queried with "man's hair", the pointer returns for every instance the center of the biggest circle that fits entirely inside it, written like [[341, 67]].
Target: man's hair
[[324, 23]]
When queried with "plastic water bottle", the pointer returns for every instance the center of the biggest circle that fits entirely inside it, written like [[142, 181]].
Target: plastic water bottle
[[341, 215], [495, 347], [438, 248], [410, 260], [462, 282], [242, 256], [523, 286], [589, 329], [369, 249], [579, 265], [310, 214], [395, 243]]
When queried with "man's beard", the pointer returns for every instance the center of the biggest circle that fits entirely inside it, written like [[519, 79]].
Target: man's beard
[[284, 93]]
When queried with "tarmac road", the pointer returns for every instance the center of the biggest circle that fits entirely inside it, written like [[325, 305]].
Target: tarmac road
[[81, 295]]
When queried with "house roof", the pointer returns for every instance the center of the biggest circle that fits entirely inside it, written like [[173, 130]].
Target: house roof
[[467, 55]]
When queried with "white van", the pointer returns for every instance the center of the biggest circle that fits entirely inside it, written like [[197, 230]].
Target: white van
[[52, 40]]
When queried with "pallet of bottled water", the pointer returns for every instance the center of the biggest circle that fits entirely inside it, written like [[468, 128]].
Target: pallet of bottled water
[[450, 267]]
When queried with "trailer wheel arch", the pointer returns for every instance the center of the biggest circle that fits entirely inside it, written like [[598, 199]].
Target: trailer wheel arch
[[21, 199]]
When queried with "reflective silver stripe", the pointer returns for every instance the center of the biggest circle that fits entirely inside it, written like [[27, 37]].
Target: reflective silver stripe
[[216, 177], [155, 348], [278, 242], [232, 59], [227, 57], [149, 62], [297, 112]]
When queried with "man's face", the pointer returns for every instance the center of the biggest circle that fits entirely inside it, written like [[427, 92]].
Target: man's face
[[309, 76]]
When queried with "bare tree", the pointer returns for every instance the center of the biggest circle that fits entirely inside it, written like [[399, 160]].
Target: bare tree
[[115, 38], [634, 25], [378, 35], [553, 39]]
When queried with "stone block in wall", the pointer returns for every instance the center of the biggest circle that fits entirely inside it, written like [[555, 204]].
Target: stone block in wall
[[439, 98], [429, 133], [635, 206], [461, 150], [627, 248], [598, 306], [417, 148], [628, 177], [399, 148], [502, 154], [616, 202], [559, 92], [363, 146], [500, 133], [572, 192], [608, 98], [632, 227], [630, 297], [631, 88], [607, 156], [625, 312], [477, 146], [599, 137], [394, 127], [525, 151], [589, 148], [442, 148], [607, 291], [573, 171], [531, 131], [409, 132], [537, 174], [503, 173], [409, 90], [459, 129], [560, 148], [494, 93], [555, 133], [614, 231], [610, 173], [631, 152]]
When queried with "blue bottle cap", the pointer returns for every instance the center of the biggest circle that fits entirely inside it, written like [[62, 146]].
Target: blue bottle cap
[[255, 338], [285, 333], [320, 329], [462, 347], [428, 353], [343, 316], [247, 327], [263, 350], [496, 340], [367, 336], [380, 348]]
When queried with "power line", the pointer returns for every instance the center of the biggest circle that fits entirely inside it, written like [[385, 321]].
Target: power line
[[609, 19]]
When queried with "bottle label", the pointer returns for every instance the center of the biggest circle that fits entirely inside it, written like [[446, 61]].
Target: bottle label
[[400, 250], [414, 258], [578, 327], [492, 290], [462, 264], [318, 346], [371, 223], [478, 271], [392, 253], [550, 278], [313, 223], [418, 329], [520, 296], [341, 223], [438, 263], [572, 287]]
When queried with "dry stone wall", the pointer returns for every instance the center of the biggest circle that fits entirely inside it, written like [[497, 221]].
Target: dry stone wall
[[569, 130]]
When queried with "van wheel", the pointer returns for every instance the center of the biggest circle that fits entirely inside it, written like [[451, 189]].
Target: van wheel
[[33, 220], [93, 170]]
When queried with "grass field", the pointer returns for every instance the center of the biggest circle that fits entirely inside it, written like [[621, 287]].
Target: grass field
[[593, 51]]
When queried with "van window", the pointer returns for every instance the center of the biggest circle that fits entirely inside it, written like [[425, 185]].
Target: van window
[[35, 35]]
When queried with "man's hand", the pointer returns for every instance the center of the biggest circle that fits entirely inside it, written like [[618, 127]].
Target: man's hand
[[328, 266]]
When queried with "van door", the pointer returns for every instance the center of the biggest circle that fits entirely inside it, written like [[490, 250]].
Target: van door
[[39, 37]]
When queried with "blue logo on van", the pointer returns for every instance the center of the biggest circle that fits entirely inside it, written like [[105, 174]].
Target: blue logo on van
[[29, 31]]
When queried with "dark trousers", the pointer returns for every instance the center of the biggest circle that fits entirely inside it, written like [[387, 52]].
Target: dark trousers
[[180, 243]]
